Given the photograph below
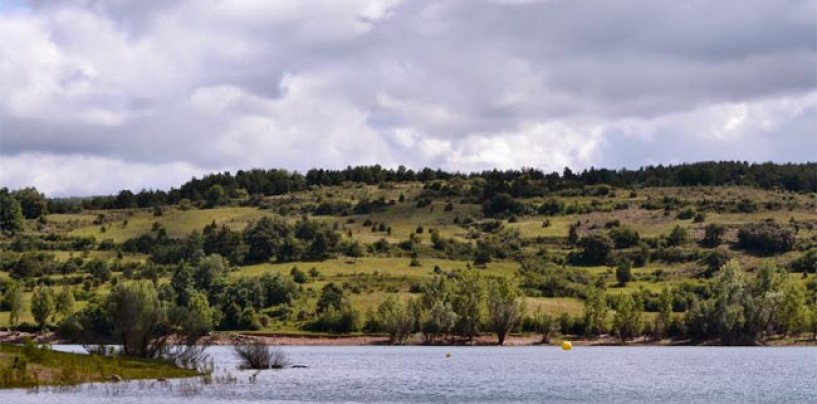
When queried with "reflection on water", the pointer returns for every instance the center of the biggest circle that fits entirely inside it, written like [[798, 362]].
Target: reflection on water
[[482, 374]]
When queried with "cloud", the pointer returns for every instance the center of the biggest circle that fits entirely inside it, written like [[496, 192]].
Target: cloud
[[91, 87]]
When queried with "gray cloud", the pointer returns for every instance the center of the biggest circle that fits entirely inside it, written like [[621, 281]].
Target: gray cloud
[[91, 87]]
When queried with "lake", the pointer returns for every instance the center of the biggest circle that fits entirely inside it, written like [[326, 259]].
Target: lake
[[375, 374]]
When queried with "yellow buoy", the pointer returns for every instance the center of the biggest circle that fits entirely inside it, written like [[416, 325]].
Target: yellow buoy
[[566, 345]]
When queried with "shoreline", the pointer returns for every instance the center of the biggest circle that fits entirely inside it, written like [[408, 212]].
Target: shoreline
[[285, 339]]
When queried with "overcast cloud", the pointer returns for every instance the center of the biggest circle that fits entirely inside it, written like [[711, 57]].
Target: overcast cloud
[[98, 95]]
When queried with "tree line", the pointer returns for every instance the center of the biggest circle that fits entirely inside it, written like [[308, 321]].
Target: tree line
[[516, 183]]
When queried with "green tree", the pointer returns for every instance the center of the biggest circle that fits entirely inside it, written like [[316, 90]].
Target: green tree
[[139, 318], [677, 237], [42, 305], [729, 304], [572, 236], [812, 317], [32, 202], [792, 310], [713, 235], [505, 307], [595, 249], [216, 196], [624, 272], [331, 296], [15, 299], [439, 321], [11, 214], [196, 319], [396, 320], [595, 311], [628, 318], [468, 304], [664, 317], [545, 324], [64, 304]]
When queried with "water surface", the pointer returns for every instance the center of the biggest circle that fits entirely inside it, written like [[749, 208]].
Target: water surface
[[485, 374]]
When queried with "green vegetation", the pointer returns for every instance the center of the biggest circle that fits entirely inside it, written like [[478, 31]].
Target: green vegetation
[[666, 252], [33, 366]]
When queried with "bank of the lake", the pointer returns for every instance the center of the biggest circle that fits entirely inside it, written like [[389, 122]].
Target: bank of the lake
[[30, 366]]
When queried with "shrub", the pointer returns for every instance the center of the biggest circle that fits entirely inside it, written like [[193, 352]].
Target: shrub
[[713, 235], [687, 213], [806, 263], [766, 238], [256, 355], [595, 249], [624, 237]]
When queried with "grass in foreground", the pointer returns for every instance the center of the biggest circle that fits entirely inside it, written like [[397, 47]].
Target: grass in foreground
[[31, 366]]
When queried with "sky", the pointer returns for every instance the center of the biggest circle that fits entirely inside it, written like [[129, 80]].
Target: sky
[[102, 95]]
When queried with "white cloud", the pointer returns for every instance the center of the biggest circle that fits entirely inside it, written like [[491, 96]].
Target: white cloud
[[208, 85]]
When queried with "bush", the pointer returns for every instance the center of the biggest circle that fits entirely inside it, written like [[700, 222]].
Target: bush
[[766, 238], [624, 237], [687, 213], [256, 355], [595, 249], [713, 235], [70, 329], [806, 263]]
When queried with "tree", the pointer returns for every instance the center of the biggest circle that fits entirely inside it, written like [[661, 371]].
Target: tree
[[624, 272], [216, 196], [208, 270], [42, 305], [440, 321], [628, 318], [792, 309], [194, 320], [395, 319], [677, 237], [595, 311], [15, 299], [729, 308], [545, 324], [468, 304], [64, 304], [32, 202], [595, 249], [624, 237], [331, 296], [813, 321], [139, 319], [572, 236], [11, 214], [713, 235], [664, 317], [505, 307], [714, 261]]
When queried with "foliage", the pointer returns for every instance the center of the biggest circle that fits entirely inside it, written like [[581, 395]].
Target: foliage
[[766, 238], [42, 305], [628, 318], [11, 214], [505, 307]]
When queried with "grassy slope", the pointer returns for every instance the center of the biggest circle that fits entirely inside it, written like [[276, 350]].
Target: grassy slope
[[396, 274]]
